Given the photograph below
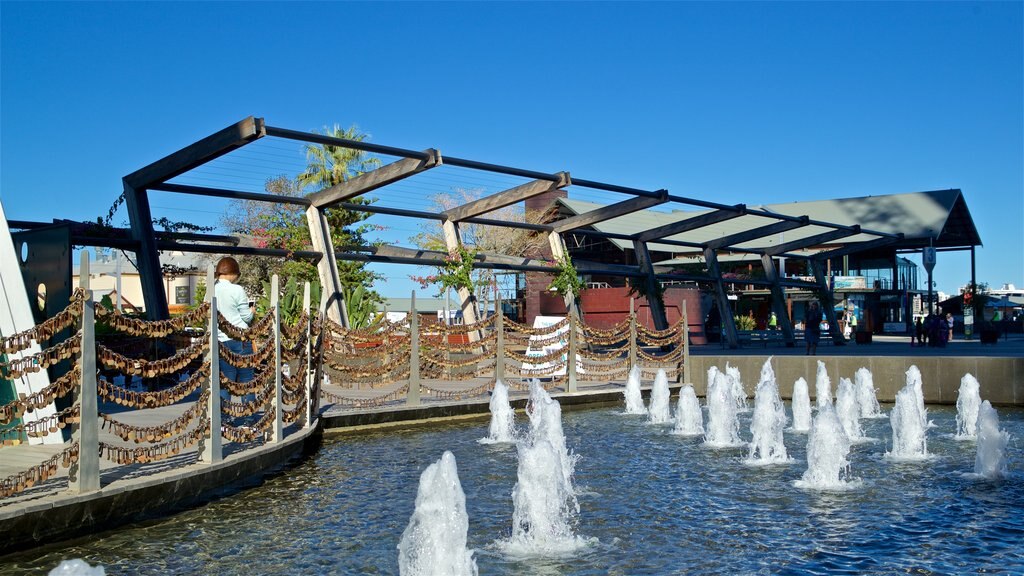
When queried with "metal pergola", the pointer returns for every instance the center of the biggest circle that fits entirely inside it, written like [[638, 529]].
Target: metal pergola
[[146, 242]]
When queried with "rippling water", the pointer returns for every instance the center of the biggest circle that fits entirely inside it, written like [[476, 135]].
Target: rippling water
[[657, 503]]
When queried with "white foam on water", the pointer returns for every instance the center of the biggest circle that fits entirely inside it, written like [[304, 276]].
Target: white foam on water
[[660, 411], [867, 395], [634, 400], [503, 418], [435, 540], [689, 418], [968, 403], [990, 460], [77, 567], [801, 405], [768, 422]]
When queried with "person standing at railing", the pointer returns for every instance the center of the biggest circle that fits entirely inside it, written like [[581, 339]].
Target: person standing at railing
[[233, 303]]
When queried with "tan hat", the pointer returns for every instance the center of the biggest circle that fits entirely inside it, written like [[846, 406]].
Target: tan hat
[[228, 266]]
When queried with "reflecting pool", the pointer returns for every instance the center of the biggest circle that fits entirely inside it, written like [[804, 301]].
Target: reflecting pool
[[656, 502]]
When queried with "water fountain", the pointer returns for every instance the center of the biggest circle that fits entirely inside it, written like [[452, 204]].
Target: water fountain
[[867, 396], [990, 461], [822, 386], [827, 448], [659, 410], [848, 409], [968, 401], [769, 419], [634, 400], [503, 426], [801, 406], [689, 418], [739, 395], [909, 421], [723, 429], [435, 540], [545, 508]]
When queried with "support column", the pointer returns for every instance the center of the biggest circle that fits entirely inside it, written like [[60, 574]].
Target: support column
[[277, 430], [85, 474], [212, 449], [827, 304], [724, 309], [414, 354], [468, 301], [657, 306], [146, 255], [778, 300], [330, 281]]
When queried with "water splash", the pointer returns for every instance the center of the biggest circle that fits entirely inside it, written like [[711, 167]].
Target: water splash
[[867, 396], [848, 409], [689, 418], [503, 424], [822, 386], [723, 430], [77, 567], [634, 400], [909, 420], [769, 419], [968, 401], [434, 542], [801, 406], [739, 395], [545, 508], [827, 448], [990, 461], [660, 410]]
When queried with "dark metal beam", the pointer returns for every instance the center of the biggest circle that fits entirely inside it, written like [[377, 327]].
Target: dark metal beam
[[309, 255], [609, 212], [706, 219], [315, 138], [856, 247], [232, 194], [375, 179], [811, 241], [506, 198], [755, 233], [197, 154]]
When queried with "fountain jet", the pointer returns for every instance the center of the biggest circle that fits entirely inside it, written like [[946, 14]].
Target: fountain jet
[[848, 409], [503, 425], [689, 418], [968, 401], [660, 411], [634, 400], [801, 406], [990, 461], [769, 419]]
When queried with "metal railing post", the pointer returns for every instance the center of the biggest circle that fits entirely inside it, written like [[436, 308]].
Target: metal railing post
[[277, 430], [570, 367], [414, 354], [685, 337], [307, 381], [632, 334], [85, 474], [499, 346], [212, 449]]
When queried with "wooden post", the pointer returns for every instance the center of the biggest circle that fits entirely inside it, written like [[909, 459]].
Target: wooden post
[[453, 241], [276, 431], [632, 334], [414, 354], [211, 449], [85, 475], [307, 380], [570, 367], [499, 347]]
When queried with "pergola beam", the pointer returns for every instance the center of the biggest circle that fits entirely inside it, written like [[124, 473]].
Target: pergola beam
[[609, 212], [857, 247], [809, 241], [232, 194], [375, 179], [693, 223], [754, 233], [506, 198], [197, 154]]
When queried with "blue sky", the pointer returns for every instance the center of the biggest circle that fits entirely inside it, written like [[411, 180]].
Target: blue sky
[[732, 102]]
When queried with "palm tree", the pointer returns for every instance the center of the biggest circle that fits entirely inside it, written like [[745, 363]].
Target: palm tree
[[329, 165]]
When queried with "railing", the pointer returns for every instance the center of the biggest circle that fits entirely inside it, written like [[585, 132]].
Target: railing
[[195, 414], [388, 362]]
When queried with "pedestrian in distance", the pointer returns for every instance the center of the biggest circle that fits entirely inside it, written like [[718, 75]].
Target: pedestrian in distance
[[813, 331]]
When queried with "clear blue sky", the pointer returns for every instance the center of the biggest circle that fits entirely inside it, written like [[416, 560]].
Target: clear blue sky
[[733, 102]]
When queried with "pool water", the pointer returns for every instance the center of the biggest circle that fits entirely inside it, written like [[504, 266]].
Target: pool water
[[656, 503]]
